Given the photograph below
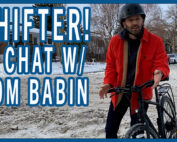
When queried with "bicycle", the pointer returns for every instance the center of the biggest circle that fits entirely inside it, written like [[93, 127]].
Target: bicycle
[[166, 112]]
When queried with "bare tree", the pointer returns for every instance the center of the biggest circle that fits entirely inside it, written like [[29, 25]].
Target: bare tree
[[153, 12], [105, 20], [172, 27], [154, 21]]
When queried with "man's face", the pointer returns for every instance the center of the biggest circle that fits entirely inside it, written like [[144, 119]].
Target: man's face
[[134, 24]]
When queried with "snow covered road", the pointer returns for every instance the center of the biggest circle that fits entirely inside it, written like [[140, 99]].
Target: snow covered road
[[65, 122]]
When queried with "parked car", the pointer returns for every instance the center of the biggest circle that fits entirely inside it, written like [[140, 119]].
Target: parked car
[[172, 58], [1, 58]]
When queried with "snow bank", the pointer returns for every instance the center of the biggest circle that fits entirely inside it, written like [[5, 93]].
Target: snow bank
[[57, 68]]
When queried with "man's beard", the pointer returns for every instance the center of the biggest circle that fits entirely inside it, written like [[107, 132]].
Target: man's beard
[[135, 30]]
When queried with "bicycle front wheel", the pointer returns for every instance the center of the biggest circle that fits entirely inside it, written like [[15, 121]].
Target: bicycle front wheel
[[167, 122], [138, 131]]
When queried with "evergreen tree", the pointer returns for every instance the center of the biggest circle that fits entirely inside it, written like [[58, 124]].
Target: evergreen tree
[[49, 18], [49, 27]]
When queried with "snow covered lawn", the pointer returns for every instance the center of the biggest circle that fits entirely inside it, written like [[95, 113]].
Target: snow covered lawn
[[66, 122], [57, 68]]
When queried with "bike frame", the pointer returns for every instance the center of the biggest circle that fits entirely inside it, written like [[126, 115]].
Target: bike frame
[[142, 113], [146, 119], [144, 116]]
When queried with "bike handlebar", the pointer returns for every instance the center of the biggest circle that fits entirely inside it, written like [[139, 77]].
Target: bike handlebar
[[146, 84], [136, 89], [118, 90]]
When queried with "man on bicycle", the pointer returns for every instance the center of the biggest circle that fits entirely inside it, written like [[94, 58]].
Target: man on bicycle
[[134, 56]]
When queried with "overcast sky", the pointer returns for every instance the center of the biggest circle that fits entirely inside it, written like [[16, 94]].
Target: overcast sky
[[163, 6]]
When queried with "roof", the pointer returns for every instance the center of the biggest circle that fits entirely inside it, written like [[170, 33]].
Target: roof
[[33, 30]]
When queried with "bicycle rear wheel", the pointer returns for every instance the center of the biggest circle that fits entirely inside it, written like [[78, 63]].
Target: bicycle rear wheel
[[138, 131], [167, 122]]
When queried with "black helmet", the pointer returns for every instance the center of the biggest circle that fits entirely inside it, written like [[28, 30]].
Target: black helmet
[[128, 10]]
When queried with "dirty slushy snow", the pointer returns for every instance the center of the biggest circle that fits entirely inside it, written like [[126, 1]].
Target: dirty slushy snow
[[66, 122]]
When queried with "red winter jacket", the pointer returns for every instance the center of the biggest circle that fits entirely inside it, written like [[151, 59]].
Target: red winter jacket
[[151, 56]]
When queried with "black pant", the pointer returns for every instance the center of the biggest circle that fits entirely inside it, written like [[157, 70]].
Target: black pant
[[115, 116]]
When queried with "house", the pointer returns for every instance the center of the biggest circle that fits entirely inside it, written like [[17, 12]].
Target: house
[[96, 49], [34, 40]]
